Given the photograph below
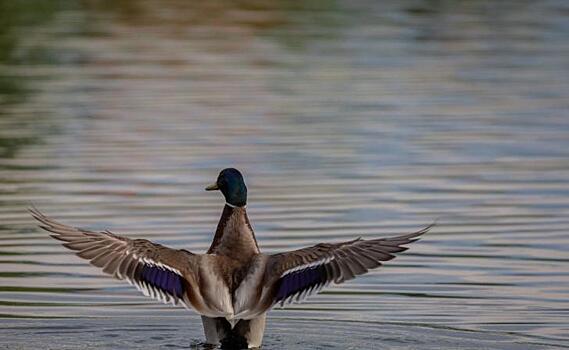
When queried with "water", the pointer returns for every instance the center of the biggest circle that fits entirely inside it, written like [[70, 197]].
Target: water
[[348, 119]]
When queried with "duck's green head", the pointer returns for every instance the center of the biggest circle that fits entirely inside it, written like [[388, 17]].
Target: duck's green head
[[230, 183]]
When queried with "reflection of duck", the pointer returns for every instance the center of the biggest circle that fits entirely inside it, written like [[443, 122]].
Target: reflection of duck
[[233, 285]]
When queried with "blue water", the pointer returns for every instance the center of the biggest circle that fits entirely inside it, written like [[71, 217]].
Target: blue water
[[347, 118]]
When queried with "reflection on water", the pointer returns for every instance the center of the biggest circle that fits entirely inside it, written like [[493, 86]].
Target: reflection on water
[[348, 119]]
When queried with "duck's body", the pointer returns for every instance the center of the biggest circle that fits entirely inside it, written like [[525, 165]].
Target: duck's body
[[237, 282], [232, 285], [225, 271]]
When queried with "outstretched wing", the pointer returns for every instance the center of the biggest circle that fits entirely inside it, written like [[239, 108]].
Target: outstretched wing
[[156, 270], [296, 274]]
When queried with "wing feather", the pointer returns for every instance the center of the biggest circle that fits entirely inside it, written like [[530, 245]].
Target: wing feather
[[155, 270], [297, 274]]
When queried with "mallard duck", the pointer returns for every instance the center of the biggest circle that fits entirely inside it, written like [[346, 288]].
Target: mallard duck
[[233, 285]]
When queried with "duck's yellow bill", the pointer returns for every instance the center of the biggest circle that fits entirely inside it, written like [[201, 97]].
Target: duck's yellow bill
[[212, 187]]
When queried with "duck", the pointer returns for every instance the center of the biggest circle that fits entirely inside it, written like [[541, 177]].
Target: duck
[[233, 285]]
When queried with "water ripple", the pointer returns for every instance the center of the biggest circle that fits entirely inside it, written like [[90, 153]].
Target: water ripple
[[348, 119]]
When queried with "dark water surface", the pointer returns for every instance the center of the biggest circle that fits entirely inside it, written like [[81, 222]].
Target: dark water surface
[[364, 118]]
